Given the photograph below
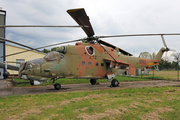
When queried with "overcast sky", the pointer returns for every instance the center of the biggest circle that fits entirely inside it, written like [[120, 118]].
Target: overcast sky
[[108, 17]]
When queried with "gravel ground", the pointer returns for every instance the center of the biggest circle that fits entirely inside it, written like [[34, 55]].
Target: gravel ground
[[7, 89]]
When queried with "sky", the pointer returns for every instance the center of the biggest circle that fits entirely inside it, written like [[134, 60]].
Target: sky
[[107, 17]]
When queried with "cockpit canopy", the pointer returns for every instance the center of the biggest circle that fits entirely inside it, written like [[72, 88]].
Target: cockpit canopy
[[53, 57], [28, 65], [36, 61]]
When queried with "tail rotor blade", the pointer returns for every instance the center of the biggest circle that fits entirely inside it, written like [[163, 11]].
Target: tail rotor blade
[[172, 50], [167, 49]]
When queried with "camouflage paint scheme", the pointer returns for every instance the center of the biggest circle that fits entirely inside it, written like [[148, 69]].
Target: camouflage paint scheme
[[87, 59], [79, 63]]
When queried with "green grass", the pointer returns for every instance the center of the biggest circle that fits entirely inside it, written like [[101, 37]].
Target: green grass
[[78, 81], [150, 76], [164, 74], [115, 103], [161, 75]]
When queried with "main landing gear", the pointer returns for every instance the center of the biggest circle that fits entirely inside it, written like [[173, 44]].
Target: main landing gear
[[93, 81], [57, 86], [114, 83]]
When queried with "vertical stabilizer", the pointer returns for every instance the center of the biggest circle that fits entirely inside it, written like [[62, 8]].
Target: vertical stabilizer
[[160, 54]]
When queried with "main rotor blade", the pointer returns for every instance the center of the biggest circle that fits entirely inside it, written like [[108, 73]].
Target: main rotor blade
[[2, 26], [138, 35], [3, 39], [41, 47], [80, 16], [11, 67], [114, 47]]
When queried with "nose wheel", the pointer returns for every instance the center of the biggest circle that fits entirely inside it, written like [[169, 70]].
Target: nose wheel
[[57, 86]]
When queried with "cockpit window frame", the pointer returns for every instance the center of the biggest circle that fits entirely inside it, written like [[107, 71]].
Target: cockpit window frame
[[61, 55], [26, 65]]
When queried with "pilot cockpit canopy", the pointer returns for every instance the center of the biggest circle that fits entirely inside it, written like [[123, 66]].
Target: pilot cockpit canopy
[[53, 57]]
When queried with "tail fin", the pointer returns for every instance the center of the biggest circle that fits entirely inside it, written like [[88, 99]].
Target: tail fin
[[160, 54]]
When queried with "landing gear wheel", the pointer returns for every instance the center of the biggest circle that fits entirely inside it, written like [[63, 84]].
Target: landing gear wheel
[[31, 82], [114, 83], [57, 86], [93, 81]]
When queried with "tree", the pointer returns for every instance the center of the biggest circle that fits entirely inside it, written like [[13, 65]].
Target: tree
[[145, 55], [46, 50], [177, 57], [54, 48], [153, 55]]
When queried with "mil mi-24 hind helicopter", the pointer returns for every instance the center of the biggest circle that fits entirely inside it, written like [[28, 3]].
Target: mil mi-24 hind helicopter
[[90, 59]]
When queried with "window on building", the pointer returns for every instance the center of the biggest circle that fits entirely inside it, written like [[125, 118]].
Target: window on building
[[96, 64], [18, 61], [89, 63], [83, 62]]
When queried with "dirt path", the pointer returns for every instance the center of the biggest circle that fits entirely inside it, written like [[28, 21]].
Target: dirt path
[[6, 88]]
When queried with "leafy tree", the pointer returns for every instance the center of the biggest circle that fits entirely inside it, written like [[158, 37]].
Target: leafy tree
[[54, 48], [46, 50], [145, 55], [177, 58], [174, 64], [153, 55]]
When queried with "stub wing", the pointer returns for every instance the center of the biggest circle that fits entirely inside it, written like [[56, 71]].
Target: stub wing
[[121, 66], [118, 65]]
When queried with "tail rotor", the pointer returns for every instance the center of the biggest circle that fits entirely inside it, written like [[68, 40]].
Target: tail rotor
[[167, 49]]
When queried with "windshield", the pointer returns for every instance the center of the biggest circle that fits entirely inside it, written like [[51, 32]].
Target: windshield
[[28, 65], [53, 57]]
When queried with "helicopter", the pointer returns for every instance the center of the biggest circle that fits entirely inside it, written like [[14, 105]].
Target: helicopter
[[90, 58]]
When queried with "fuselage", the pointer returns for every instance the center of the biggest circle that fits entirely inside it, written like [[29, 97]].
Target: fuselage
[[84, 60]]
